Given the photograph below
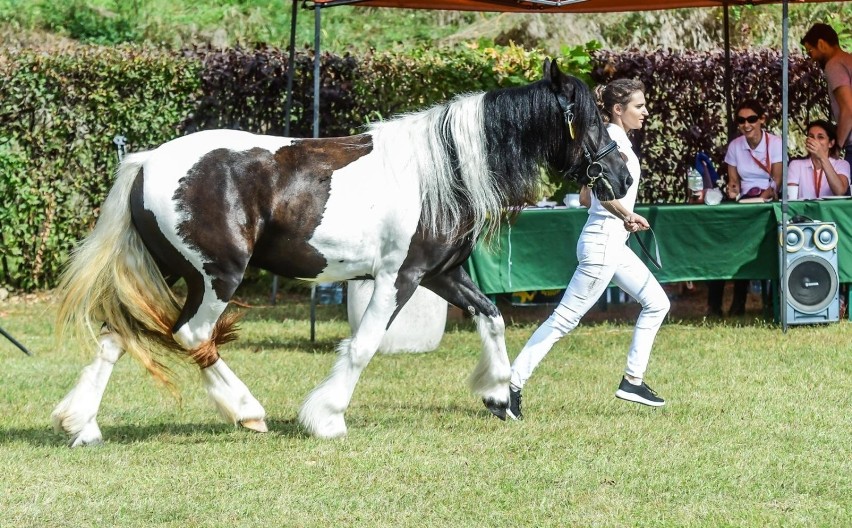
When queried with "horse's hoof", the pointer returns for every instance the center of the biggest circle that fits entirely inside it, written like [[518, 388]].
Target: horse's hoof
[[498, 409], [90, 435], [257, 425], [82, 442]]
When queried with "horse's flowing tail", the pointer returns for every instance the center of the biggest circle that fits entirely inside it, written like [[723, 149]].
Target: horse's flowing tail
[[112, 279]]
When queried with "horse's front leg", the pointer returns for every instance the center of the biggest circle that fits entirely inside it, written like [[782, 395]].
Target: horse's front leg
[[490, 378], [77, 413], [322, 411]]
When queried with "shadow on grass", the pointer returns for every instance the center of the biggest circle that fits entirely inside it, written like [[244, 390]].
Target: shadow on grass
[[185, 433], [320, 346]]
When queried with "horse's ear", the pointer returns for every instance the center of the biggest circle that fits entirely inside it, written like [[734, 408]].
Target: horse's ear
[[553, 74]]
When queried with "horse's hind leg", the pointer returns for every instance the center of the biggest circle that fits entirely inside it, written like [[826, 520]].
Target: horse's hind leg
[[200, 330], [77, 413], [490, 378], [232, 398], [322, 411]]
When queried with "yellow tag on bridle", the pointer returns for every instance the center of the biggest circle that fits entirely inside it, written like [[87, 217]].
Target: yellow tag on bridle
[[571, 129]]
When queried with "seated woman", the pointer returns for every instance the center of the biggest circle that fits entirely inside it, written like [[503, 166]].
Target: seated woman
[[821, 173], [754, 158], [754, 171]]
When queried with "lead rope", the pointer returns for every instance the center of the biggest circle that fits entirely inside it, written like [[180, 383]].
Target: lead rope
[[509, 257], [656, 262]]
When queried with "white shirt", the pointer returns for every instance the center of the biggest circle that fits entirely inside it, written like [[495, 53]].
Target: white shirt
[[743, 157], [617, 134], [801, 173]]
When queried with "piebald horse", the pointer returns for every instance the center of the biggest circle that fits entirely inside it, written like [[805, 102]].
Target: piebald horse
[[402, 203]]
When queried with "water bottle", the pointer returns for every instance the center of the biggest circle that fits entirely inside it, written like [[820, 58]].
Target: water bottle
[[694, 180], [695, 183]]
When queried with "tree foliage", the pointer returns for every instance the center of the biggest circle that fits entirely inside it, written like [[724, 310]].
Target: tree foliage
[[59, 113]]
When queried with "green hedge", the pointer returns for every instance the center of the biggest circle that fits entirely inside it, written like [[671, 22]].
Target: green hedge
[[59, 112], [61, 108]]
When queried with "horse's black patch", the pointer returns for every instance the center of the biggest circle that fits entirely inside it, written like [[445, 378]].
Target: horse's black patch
[[261, 208], [172, 264]]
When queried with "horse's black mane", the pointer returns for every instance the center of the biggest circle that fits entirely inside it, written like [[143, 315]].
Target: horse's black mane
[[481, 153], [526, 129]]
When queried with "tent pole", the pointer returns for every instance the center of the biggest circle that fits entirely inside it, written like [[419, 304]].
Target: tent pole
[[785, 128], [317, 30], [291, 69], [317, 19], [288, 106], [729, 104]]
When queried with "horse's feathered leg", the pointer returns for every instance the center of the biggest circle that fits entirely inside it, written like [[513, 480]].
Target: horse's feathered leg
[[200, 327], [77, 413], [490, 378], [201, 334], [322, 411]]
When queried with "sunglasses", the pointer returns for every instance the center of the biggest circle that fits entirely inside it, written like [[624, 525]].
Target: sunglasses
[[750, 119]]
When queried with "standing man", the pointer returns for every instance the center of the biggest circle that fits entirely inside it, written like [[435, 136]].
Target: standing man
[[823, 46]]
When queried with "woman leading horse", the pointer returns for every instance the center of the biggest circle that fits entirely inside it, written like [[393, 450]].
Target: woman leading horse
[[403, 204]]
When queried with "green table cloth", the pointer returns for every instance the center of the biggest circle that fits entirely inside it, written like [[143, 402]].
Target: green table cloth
[[537, 251]]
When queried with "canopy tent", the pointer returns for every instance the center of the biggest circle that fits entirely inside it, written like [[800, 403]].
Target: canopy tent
[[574, 6], [549, 6]]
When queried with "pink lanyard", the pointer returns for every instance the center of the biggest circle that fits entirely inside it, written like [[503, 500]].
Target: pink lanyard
[[817, 179], [765, 166]]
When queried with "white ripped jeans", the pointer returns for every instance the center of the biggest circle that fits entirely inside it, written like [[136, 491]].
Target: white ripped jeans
[[603, 256]]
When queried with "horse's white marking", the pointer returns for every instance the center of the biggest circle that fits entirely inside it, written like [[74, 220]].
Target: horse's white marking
[[200, 326], [230, 395], [490, 378], [171, 162], [77, 413], [363, 231], [322, 411]]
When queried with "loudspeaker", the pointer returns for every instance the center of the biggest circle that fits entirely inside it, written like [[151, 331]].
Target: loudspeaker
[[812, 281]]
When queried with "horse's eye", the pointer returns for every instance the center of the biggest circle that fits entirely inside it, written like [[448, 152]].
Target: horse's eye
[[623, 156]]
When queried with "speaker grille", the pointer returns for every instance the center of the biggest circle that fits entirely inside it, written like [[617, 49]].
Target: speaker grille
[[812, 284]]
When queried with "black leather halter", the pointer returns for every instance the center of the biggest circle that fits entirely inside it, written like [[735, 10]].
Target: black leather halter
[[594, 169]]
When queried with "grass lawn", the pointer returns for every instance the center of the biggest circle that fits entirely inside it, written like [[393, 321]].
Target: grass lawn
[[757, 431]]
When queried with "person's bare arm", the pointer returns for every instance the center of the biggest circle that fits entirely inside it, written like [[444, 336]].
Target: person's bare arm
[[838, 183], [733, 182], [585, 196], [843, 95], [632, 221]]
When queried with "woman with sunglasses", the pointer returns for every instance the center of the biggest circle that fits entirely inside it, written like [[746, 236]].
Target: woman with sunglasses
[[604, 256], [821, 173], [754, 158], [754, 161]]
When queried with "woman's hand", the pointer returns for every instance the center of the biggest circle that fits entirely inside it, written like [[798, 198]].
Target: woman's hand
[[817, 150], [635, 222], [632, 221]]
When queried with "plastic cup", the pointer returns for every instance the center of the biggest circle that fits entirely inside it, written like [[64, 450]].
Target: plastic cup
[[792, 192]]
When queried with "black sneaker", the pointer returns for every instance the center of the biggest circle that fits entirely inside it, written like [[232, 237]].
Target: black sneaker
[[637, 393], [514, 410]]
